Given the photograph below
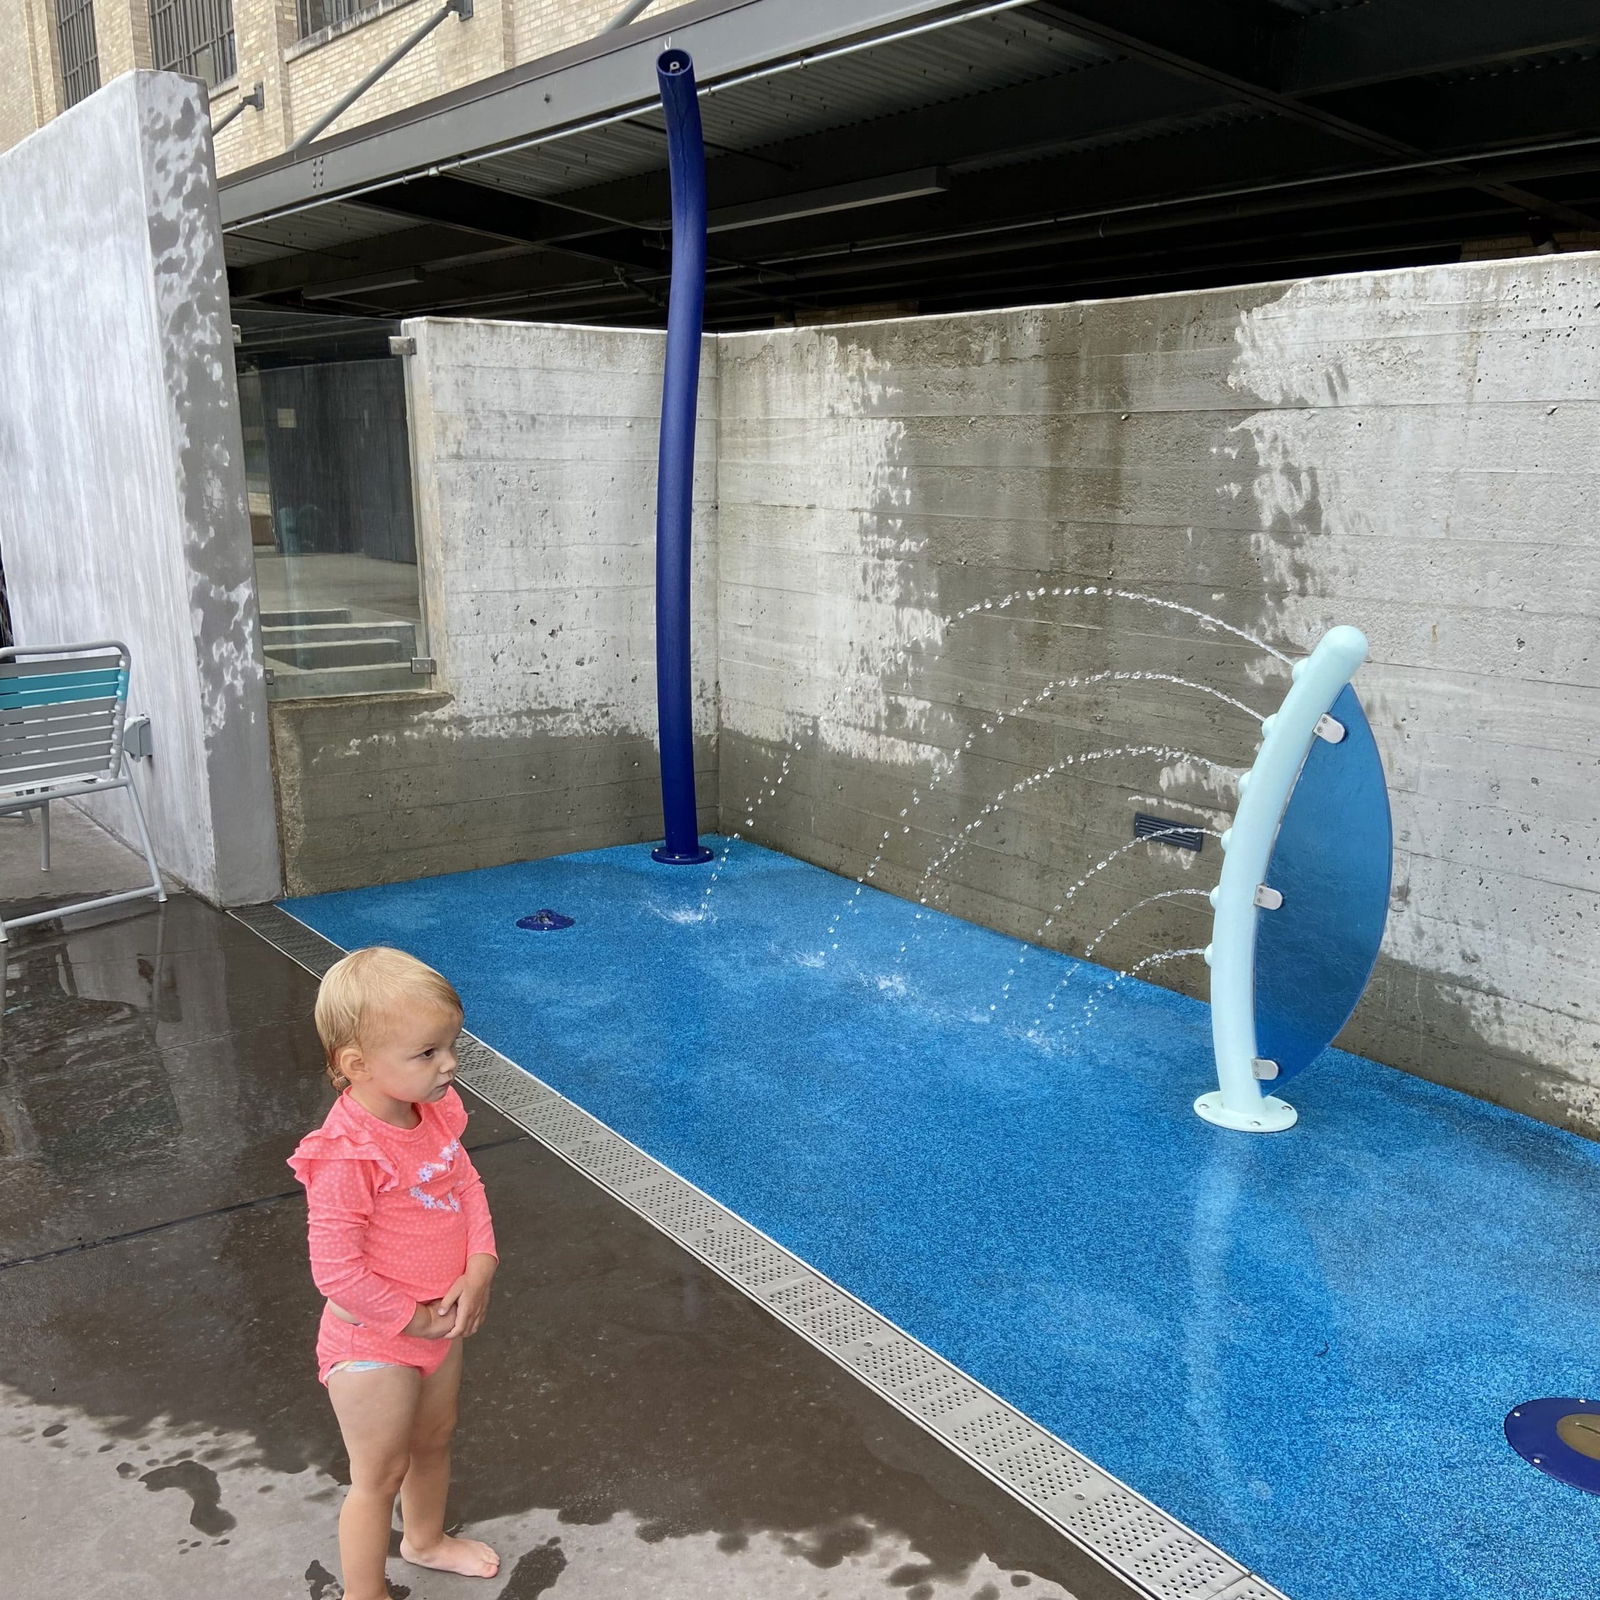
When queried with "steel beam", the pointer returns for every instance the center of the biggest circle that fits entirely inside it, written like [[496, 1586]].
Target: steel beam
[[1163, 35], [502, 215], [611, 77], [1350, 49], [999, 125]]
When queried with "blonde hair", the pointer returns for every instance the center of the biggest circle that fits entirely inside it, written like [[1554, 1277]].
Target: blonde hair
[[367, 985]]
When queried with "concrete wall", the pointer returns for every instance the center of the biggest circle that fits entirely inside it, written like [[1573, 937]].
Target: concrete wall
[[124, 513], [535, 459], [1412, 452], [887, 513]]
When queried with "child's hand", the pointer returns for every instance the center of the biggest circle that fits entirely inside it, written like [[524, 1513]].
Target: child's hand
[[468, 1297], [431, 1321]]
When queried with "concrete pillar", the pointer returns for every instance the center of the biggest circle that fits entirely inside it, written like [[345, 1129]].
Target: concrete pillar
[[44, 56], [122, 34], [262, 31]]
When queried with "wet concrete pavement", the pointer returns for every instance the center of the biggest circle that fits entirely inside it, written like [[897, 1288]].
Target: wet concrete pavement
[[633, 1425]]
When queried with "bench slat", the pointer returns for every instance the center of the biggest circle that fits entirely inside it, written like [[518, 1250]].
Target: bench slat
[[79, 742], [28, 770], [31, 666], [29, 724], [17, 693], [65, 717]]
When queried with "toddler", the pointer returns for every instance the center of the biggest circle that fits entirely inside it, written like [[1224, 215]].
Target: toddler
[[403, 1249]]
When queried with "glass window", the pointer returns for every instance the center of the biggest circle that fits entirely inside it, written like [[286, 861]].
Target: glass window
[[194, 37], [328, 472], [80, 55], [315, 15]]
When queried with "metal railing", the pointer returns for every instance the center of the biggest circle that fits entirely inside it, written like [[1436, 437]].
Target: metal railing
[[194, 37], [80, 54], [633, 9], [458, 8]]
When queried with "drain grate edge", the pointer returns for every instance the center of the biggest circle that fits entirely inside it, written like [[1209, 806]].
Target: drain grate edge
[[1149, 1549]]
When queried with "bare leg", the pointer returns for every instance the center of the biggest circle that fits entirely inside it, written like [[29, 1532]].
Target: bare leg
[[427, 1482], [376, 1412]]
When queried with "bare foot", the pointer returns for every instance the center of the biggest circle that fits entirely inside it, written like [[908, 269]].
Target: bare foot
[[470, 1557]]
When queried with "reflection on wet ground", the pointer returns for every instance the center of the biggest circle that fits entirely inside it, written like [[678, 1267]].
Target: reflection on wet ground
[[635, 1426]]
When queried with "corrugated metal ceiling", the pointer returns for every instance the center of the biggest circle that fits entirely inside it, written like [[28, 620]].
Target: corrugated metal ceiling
[[328, 225], [1504, 69], [993, 52], [1146, 133], [1317, 8], [989, 53]]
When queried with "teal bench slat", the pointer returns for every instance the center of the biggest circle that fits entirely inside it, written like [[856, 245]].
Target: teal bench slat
[[59, 688]]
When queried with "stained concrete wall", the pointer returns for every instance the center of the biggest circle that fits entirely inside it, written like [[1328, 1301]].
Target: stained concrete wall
[[123, 511], [941, 572], [1412, 452], [535, 465]]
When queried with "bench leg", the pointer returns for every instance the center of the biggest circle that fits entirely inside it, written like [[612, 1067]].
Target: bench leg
[[44, 837], [144, 838]]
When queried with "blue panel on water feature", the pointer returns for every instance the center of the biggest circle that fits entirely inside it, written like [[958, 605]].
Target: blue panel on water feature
[[1331, 864]]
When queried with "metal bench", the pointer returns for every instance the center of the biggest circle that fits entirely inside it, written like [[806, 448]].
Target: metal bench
[[62, 709]]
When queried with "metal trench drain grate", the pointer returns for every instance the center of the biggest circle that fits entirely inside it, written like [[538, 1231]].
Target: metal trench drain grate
[[1150, 1550]]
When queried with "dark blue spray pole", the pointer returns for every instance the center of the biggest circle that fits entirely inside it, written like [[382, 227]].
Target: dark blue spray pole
[[680, 388]]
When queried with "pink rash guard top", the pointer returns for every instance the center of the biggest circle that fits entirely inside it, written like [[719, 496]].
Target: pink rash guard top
[[393, 1213]]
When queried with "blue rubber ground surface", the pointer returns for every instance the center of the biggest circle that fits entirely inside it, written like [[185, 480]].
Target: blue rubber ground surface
[[1302, 1345]]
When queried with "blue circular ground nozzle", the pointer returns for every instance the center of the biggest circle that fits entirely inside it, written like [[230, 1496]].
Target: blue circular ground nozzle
[[1559, 1437], [544, 921]]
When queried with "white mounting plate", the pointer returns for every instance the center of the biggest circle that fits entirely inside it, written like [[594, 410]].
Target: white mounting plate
[[1271, 1116]]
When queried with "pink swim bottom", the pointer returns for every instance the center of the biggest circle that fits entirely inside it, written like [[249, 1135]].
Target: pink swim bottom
[[340, 1342]]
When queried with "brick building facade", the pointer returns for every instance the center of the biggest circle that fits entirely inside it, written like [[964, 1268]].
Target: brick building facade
[[302, 68]]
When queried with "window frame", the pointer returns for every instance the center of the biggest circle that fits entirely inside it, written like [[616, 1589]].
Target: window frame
[[184, 32], [79, 50]]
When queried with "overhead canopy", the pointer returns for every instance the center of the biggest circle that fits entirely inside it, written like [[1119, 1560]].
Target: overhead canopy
[[942, 156]]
